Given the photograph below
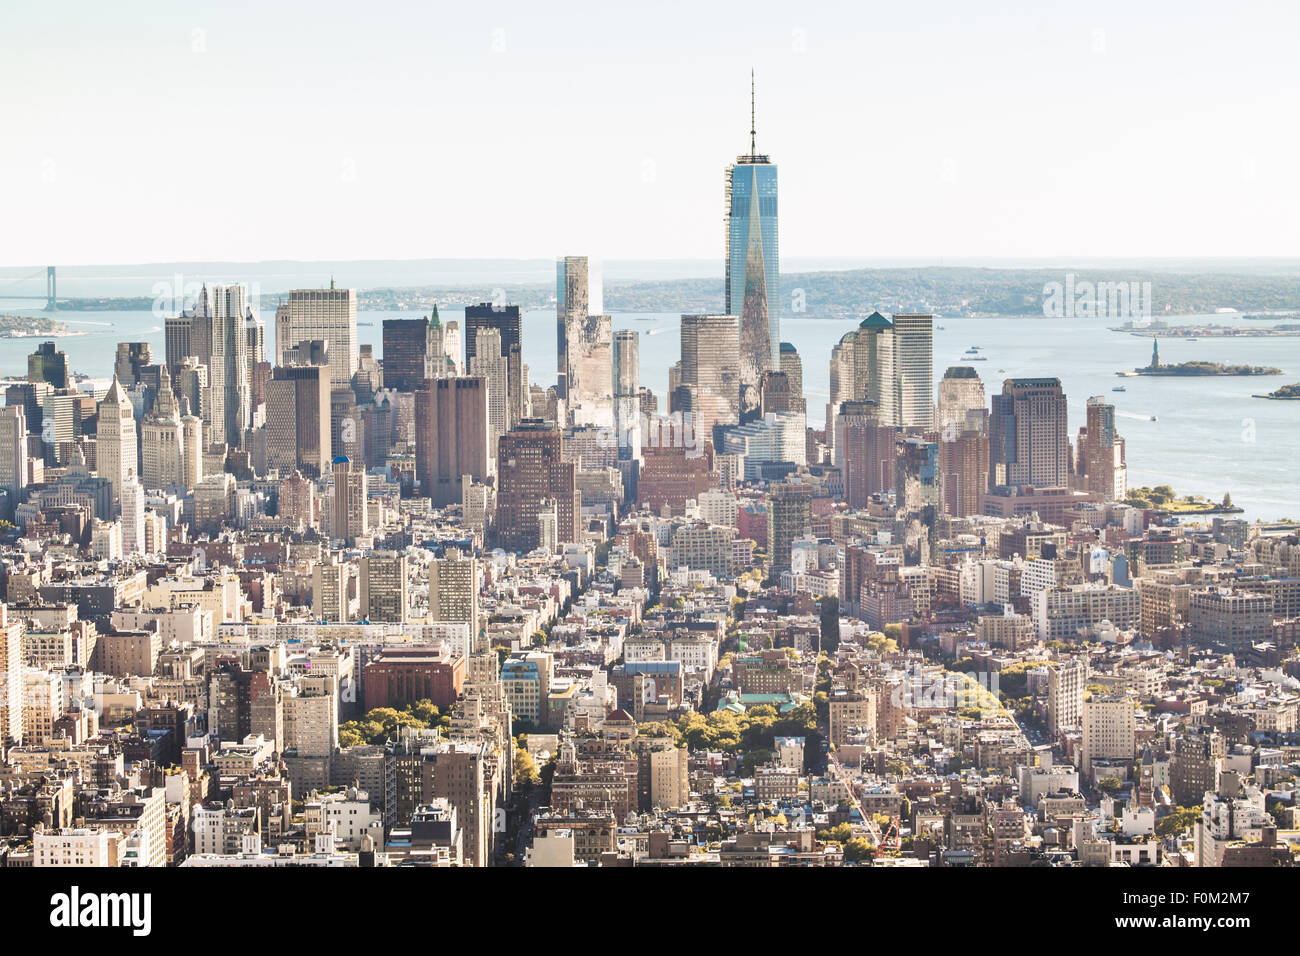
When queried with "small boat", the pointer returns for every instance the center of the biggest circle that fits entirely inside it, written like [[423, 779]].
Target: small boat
[[1119, 388], [1154, 419], [1191, 340]]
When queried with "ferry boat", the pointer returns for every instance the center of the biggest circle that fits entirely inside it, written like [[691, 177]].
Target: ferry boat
[[1119, 388]]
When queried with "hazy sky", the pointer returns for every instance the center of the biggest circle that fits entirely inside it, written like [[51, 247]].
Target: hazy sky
[[152, 131]]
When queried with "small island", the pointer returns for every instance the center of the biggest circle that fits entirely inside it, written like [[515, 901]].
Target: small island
[[1198, 368], [1287, 393], [25, 326]]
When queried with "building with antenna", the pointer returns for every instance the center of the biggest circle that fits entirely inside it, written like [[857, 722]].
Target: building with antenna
[[753, 276]]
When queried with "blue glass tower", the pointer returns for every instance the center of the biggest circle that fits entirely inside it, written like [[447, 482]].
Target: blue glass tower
[[753, 277]]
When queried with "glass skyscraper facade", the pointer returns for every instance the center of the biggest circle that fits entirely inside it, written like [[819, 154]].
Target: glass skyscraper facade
[[753, 276]]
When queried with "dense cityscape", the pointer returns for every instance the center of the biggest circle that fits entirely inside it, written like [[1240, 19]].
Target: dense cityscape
[[273, 600]]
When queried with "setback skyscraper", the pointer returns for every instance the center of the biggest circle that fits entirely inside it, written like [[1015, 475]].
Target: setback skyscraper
[[219, 338], [326, 314], [1029, 439], [505, 320]]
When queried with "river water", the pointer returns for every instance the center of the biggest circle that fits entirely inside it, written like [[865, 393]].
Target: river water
[[1211, 436]]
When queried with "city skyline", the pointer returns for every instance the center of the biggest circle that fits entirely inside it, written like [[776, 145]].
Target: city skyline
[[571, 575]]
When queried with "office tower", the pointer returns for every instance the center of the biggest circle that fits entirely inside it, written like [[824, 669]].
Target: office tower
[[298, 419], [841, 390], [346, 430], [296, 500], [29, 395], [1029, 439], [530, 470], [626, 364], [627, 399], [964, 465], [219, 339], [383, 586], [327, 314], [377, 429], [115, 444], [874, 377], [191, 385], [1100, 458], [132, 517], [590, 388], [162, 440], [578, 294], [177, 339], [792, 366], [13, 453], [405, 341], [441, 349], [329, 591], [490, 364], [867, 448], [454, 581], [451, 436], [48, 364], [789, 517], [192, 452], [710, 371], [132, 357], [11, 669], [349, 518], [753, 278], [506, 320], [452, 347], [914, 370], [369, 376], [255, 331], [1066, 682], [960, 391]]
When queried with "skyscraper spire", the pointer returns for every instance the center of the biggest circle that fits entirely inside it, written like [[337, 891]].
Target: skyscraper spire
[[753, 149]]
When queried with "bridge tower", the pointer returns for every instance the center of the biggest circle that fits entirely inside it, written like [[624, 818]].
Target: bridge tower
[[51, 303]]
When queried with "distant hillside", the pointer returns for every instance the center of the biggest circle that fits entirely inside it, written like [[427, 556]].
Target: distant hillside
[[945, 290]]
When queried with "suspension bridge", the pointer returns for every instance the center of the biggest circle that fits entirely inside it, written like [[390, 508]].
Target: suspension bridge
[[51, 289]]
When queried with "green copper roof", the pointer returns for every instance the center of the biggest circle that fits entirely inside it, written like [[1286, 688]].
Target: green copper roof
[[875, 321]]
